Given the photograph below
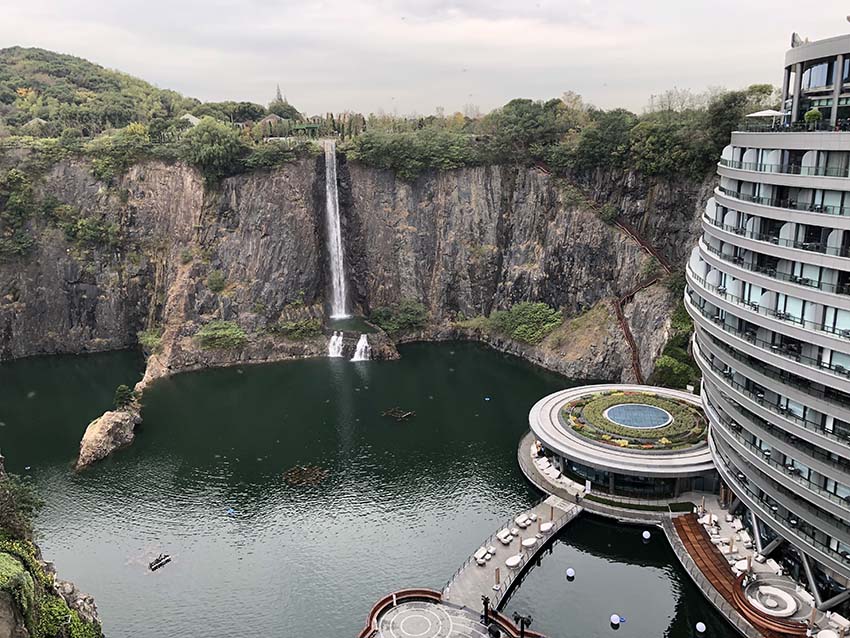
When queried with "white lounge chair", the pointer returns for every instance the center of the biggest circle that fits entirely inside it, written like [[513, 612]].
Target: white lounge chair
[[504, 537]]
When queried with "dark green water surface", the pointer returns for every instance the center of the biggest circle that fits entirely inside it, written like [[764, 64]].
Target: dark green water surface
[[403, 503]]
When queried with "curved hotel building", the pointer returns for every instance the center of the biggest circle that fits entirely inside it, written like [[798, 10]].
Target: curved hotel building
[[768, 287]]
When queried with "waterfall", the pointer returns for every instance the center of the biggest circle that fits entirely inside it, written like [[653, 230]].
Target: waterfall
[[335, 345], [363, 352], [338, 309]]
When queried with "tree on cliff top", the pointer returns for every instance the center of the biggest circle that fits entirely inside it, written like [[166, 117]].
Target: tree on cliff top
[[214, 147]]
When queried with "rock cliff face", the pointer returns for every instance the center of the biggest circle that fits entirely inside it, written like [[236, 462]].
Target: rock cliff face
[[258, 232], [470, 241], [473, 240], [251, 252], [665, 211]]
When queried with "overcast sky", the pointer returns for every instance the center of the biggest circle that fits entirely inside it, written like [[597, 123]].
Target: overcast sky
[[409, 56]]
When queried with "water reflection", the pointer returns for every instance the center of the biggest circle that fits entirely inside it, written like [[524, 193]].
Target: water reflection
[[403, 503]]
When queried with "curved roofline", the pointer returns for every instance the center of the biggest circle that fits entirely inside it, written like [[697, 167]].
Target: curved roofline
[[546, 426], [828, 47]]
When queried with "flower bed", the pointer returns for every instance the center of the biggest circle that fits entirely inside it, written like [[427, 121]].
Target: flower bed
[[586, 416]]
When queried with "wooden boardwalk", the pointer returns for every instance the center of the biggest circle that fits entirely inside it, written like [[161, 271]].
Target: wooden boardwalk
[[715, 568], [471, 581]]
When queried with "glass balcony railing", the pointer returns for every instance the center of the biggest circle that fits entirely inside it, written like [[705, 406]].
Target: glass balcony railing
[[773, 273], [751, 306], [790, 204], [788, 470], [774, 505], [763, 428], [788, 169], [811, 246], [728, 378], [770, 509], [822, 126], [836, 399], [787, 351]]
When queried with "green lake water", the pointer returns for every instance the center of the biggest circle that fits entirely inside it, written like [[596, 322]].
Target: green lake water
[[403, 504]]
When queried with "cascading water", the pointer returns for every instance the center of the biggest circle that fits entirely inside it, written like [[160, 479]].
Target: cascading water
[[363, 352], [335, 345], [338, 293]]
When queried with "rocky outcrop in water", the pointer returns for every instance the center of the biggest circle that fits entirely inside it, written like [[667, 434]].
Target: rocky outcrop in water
[[109, 432]]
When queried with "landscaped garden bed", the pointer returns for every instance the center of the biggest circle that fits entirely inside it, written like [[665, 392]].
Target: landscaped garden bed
[[587, 417]]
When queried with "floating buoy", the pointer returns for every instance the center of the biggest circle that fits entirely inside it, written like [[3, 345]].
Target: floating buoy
[[571, 573], [646, 535], [486, 398], [701, 627]]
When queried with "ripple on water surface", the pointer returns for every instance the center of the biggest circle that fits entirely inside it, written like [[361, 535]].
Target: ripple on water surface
[[403, 503]]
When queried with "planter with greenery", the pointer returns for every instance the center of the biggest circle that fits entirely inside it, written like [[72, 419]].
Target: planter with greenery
[[586, 417]]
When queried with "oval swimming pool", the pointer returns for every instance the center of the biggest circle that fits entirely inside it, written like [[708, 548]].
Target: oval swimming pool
[[638, 415]]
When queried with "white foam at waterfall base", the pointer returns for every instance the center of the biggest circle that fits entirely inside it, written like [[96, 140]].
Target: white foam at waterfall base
[[363, 352], [335, 345], [338, 292]]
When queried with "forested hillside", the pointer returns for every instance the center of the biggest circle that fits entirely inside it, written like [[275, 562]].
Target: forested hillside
[[71, 93], [62, 104]]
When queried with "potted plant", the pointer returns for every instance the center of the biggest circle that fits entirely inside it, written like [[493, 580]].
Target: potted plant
[[812, 117]]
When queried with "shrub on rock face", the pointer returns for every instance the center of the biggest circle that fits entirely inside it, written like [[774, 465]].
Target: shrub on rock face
[[609, 213], [527, 321], [406, 316], [15, 580], [151, 339], [113, 153], [676, 368], [18, 504], [216, 281], [16, 207], [217, 335], [671, 373], [298, 329], [124, 395]]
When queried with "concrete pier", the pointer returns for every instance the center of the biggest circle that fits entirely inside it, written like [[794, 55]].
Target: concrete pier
[[471, 580]]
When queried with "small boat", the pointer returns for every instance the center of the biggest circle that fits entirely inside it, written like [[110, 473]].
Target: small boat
[[159, 561]]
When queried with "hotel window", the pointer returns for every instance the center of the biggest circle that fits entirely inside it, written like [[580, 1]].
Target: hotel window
[[817, 75], [838, 489]]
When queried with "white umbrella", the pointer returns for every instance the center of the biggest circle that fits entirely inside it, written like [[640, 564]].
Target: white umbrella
[[767, 113]]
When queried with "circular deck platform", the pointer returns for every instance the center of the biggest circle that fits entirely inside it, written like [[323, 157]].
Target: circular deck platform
[[421, 619]]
